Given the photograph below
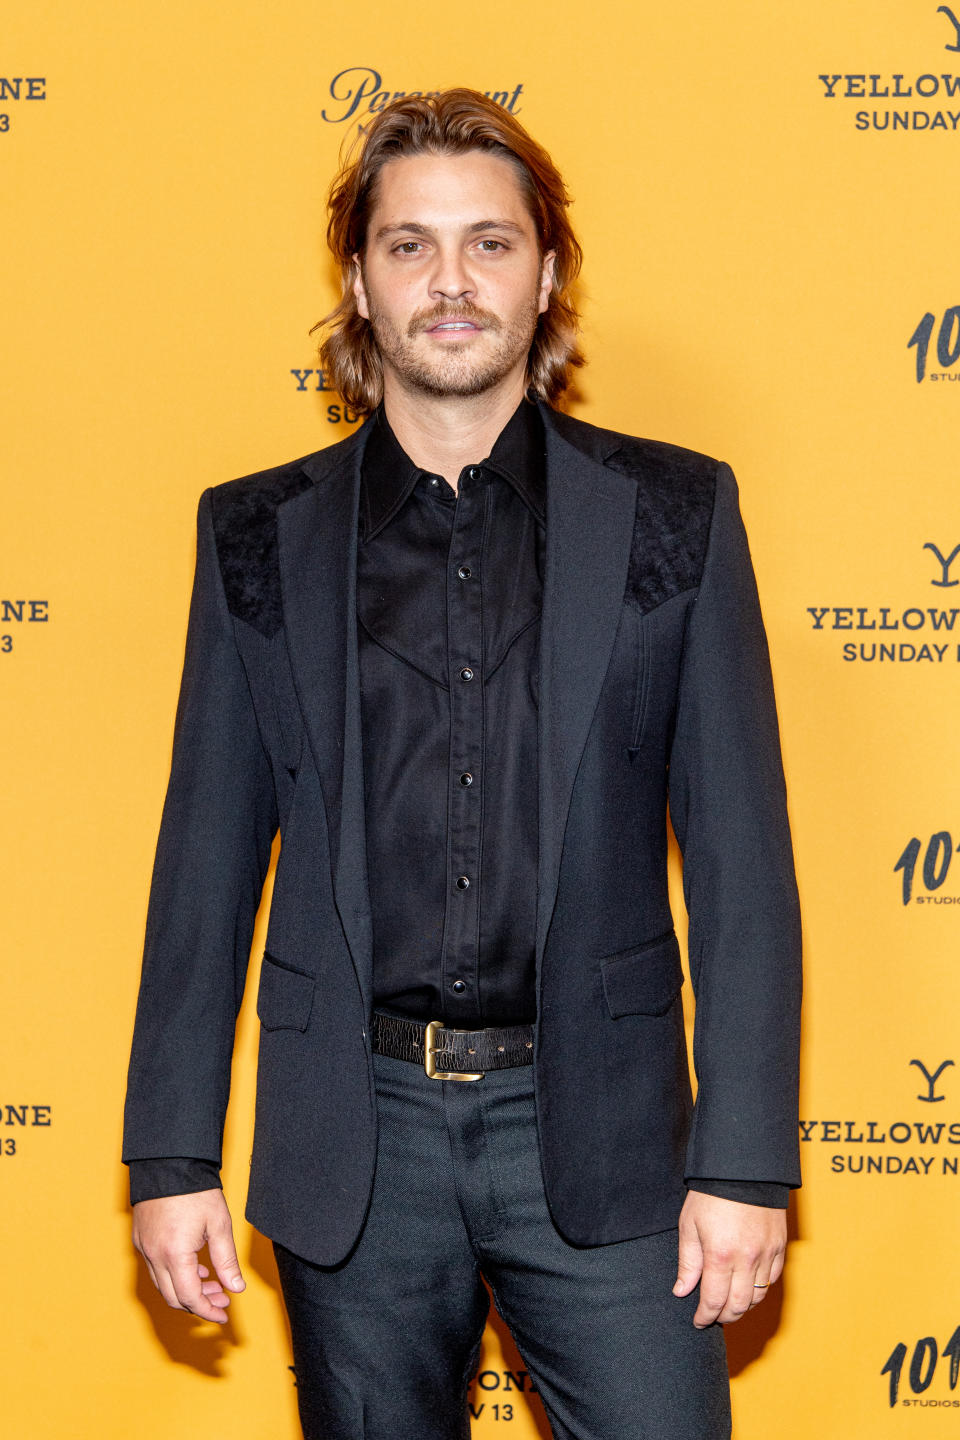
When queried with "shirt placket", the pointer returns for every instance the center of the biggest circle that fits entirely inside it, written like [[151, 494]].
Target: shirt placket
[[465, 660]]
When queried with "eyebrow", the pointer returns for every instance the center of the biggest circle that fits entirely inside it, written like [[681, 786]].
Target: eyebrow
[[412, 227]]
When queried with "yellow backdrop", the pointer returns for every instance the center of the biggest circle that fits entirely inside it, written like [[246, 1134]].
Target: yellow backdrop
[[767, 196]]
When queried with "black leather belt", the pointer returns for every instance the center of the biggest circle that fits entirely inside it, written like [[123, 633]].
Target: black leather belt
[[447, 1054]]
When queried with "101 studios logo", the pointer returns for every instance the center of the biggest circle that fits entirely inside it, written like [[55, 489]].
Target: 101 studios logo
[[947, 345], [937, 859], [921, 1371]]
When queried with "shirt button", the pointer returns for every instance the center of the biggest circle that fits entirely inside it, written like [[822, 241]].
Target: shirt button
[[458, 987], [464, 572], [434, 481], [463, 882], [466, 778], [475, 472], [466, 673]]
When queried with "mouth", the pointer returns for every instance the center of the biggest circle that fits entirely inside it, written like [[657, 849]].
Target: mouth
[[444, 327]]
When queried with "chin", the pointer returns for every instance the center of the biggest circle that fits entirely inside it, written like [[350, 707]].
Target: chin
[[450, 381]]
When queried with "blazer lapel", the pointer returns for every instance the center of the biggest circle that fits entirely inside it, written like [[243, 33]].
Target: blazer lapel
[[317, 537], [590, 514]]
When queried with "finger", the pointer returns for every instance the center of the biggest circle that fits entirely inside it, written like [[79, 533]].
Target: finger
[[186, 1285], [689, 1260], [215, 1293], [202, 1271], [223, 1256], [760, 1288], [768, 1273], [751, 1267], [714, 1291], [178, 1280], [166, 1286], [741, 1290]]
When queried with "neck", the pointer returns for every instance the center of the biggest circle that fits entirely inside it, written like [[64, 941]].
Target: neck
[[445, 433]]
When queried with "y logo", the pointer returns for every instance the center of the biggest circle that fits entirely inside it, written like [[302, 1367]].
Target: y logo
[[945, 563], [945, 10], [931, 1080]]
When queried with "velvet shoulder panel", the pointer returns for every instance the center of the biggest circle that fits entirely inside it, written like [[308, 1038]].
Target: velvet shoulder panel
[[245, 528], [676, 489]]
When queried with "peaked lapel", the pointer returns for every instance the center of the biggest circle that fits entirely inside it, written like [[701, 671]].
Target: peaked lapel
[[590, 512]]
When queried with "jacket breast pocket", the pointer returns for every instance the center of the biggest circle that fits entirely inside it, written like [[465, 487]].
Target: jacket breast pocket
[[644, 980], [285, 997]]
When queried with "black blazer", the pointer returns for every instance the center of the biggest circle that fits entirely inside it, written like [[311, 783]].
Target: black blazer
[[654, 684]]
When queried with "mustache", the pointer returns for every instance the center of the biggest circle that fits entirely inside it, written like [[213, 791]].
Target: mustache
[[426, 319]]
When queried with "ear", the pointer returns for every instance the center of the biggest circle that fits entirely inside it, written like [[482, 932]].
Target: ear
[[546, 280], [359, 290]]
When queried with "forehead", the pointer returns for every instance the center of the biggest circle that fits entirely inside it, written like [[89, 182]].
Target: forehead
[[448, 191]]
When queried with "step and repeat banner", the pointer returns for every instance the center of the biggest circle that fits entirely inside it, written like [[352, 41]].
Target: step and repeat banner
[[768, 201]]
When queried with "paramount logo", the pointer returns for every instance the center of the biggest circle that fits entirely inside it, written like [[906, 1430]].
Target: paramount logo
[[358, 93]]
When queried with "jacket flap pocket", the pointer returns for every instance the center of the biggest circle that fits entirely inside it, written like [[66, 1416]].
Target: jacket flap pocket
[[645, 980], [285, 997]]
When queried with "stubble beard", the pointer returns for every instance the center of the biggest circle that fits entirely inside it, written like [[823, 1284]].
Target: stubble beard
[[454, 371]]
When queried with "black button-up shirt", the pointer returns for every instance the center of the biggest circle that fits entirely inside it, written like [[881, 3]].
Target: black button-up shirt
[[449, 595]]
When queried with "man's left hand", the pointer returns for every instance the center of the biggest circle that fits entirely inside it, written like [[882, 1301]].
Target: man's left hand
[[735, 1251]]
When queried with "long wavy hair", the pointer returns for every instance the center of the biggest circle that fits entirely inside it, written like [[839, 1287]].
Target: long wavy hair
[[452, 122]]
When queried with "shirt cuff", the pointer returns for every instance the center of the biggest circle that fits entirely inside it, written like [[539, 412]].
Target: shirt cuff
[[748, 1192], [171, 1175]]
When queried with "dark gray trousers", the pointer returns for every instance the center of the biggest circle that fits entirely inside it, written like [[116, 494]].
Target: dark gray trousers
[[386, 1342]]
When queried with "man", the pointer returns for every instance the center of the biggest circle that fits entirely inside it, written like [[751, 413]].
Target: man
[[464, 659]]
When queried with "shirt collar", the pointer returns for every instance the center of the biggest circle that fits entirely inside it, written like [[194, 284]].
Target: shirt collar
[[388, 474]]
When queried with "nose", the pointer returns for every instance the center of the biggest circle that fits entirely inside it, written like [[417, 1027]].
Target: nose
[[451, 279]]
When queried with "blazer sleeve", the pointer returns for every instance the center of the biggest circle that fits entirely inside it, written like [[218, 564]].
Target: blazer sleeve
[[216, 831], [729, 812]]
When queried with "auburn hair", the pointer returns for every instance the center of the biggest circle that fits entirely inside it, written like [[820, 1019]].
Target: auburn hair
[[452, 122]]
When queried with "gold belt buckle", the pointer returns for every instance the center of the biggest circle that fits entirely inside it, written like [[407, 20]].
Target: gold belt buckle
[[430, 1064]]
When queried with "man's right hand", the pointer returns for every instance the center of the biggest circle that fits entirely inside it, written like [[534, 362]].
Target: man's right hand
[[171, 1232]]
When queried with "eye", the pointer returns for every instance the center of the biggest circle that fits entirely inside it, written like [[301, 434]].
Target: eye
[[490, 247], [407, 247]]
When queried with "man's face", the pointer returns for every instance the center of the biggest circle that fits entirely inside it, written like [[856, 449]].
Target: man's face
[[451, 278]]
